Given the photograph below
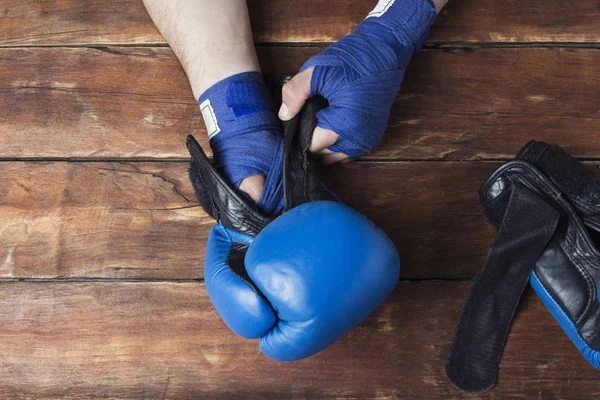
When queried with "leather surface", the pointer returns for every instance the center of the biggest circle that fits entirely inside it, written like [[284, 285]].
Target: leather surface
[[565, 322], [570, 176], [245, 311], [324, 267], [569, 267], [219, 199]]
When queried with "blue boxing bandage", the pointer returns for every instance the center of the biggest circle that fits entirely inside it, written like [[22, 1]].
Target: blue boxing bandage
[[245, 134], [361, 74]]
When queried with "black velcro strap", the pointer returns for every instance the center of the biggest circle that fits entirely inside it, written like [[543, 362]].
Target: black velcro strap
[[301, 184], [528, 225], [565, 171]]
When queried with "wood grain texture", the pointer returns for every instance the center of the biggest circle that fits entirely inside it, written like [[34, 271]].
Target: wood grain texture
[[67, 22], [97, 102], [140, 220], [517, 21], [164, 340], [113, 220], [459, 105], [62, 22]]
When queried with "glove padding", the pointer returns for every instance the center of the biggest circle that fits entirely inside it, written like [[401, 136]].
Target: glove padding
[[324, 268], [303, 280]]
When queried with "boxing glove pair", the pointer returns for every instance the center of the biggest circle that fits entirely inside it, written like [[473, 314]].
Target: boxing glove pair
[[302, 280]]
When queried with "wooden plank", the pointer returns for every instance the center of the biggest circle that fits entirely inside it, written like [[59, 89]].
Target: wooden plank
[[113, 220], [68, 22], [517, 21], [164, 340], [62, 22], [97, 102], [136, 102], [489, 103], [140, 220]]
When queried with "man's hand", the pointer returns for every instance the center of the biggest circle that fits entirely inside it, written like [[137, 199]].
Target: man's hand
[[295, 94], [360, 76]]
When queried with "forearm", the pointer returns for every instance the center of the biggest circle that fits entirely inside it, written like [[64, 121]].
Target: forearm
[[212, 39]]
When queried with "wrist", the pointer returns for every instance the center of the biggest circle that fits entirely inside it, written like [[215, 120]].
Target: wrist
[[401, 24], [245, 136]]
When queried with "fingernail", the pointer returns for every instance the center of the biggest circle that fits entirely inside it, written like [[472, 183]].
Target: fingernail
[[283, 112]]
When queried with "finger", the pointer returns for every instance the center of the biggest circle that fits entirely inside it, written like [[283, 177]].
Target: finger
[[294, 94], [253, 186], [323, 152], [334, 158], [322, 139]]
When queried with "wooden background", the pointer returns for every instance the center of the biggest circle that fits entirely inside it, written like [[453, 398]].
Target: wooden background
[[102, 241]]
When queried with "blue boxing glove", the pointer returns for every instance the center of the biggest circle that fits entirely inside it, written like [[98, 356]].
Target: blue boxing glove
[[324, 268], [360, 76], [302, 280]]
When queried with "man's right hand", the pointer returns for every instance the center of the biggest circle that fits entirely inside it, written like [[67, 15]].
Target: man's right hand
[[360, 76]]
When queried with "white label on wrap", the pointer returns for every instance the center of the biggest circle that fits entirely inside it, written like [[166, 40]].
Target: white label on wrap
[[210, 119], [381, 8]]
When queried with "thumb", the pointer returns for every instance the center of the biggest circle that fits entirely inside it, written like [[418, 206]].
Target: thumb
[[294, 94]]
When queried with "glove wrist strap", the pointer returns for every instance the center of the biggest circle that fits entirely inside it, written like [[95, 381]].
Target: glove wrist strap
[[565, 171], [527, 226]]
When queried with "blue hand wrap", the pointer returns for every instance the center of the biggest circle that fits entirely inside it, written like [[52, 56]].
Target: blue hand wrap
[[360, 75], [245, 134]]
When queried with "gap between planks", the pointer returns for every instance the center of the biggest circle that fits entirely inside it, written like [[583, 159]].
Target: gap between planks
[[187, 160], [427, 46], [186, 281]]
